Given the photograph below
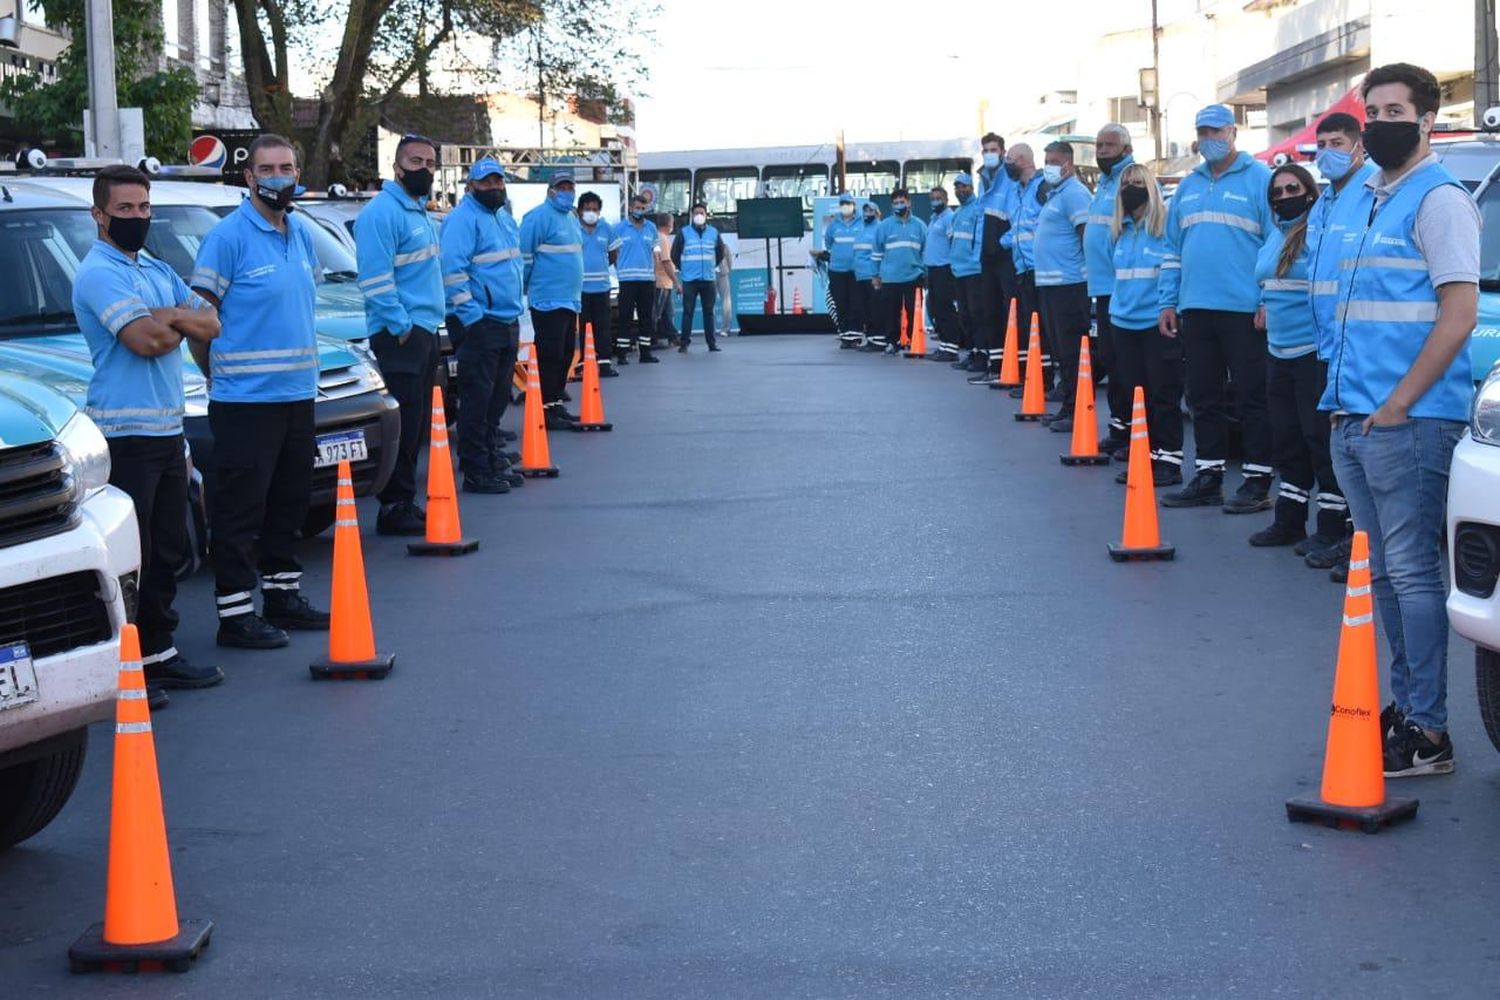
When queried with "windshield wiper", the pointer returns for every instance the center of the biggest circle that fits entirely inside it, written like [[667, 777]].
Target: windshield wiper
[[340, 277], [39, 319]]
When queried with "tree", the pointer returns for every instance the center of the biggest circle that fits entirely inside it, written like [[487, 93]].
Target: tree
[[54, 111]]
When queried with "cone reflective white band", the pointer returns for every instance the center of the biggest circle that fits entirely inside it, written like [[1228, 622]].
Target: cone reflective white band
[[1358, 591], [346, 482], [346, 522], [1359, 564], [123, 728], [134, 665], [1142, 435], [133, 694], [1358, 620]]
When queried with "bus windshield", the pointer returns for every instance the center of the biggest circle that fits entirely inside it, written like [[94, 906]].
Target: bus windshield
[[924, 175], [674, 189], [720, 188], [866, 178]]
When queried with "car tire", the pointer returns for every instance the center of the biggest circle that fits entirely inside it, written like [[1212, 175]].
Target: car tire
[[317, 521], [1487, 686], [33, 792]]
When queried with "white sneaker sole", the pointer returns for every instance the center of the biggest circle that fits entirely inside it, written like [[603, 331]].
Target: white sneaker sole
[[1437, 767]]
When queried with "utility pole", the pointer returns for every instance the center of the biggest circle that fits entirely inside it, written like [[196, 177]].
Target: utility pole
[[104, 104], [1486, 70], [1156, 80], [838, 162]]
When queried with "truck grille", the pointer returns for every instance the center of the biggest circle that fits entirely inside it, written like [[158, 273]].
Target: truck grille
[[37, 496], [55, 615]]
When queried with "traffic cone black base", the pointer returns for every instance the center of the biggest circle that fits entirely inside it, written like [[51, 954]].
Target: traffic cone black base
[[547, 473], [1028, 418], [1084, 459], [462, 547], [91, 953], [375, 669], [1370, 819], [606, 426], [1120, 553]]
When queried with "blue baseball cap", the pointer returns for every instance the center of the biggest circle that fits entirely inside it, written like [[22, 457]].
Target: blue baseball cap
[[558, 176], [1214, 116], [846, 198], [962, 179], [485, 166]]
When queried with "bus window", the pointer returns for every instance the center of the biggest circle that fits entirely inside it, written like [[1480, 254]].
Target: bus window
[[806, 182], [924, 175], [719, 188], [870, 178], [674, 190]]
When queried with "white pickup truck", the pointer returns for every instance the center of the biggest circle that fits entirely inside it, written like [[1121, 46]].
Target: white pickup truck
[[69, 564]]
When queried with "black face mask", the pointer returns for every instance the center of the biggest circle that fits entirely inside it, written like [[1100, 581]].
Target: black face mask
[[1107, 164], [1132, 197], [1287, 209], [1012, 171], [278, 199], [128, 234], [492, 200], [1391, 144], [418, 183]]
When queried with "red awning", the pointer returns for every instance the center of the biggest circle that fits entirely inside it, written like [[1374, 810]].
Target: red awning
[[1351, 103]]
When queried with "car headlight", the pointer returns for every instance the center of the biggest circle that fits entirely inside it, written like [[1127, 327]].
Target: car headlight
[[1484, 425], [87, 454], [368, 370]]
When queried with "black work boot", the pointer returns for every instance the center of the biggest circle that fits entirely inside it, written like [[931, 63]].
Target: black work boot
[[1206, 490], [1288, 528], [177, 672], [401, 518], [1332, 557], [288, 609], [1253, 495], [250, 632], [486, 482]]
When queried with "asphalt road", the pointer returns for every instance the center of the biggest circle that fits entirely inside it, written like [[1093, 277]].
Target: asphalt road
[[813, 679]]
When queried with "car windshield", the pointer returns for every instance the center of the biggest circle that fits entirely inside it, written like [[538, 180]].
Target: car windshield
[[1489, 241], [39, 258], [334, 258]]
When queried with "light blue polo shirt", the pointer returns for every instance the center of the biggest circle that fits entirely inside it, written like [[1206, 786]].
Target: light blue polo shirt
[[129, 395], [1058, 247], [266, 282]]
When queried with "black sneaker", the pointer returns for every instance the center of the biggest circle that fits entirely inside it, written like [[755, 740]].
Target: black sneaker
[[179, 673], [982, 378], [1206, 490], [1391, 720], [403, 518], [1278, 533], [1410, 754], [1309, 543], [510, 477], [682, 346], [650, 359], [558, 420], [251, 632], [156, 697], [608, 371], [1333, 555], [288, 609], [1254, 495], [1061, 425], [487, 483], [1339, 574], [978, 362], [715, 349]]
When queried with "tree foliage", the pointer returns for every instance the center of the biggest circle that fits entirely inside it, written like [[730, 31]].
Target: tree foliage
[[53, 111]]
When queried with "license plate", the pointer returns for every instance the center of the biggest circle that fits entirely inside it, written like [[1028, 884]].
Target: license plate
[[334, 448], [17, 676]]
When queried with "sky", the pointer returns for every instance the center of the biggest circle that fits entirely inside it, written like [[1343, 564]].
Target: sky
[[785, 72]]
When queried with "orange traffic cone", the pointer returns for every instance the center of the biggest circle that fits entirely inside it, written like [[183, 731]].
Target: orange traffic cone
[[1141, 539], [1354, 768], [140, 905], [351, 637], [1034, 400], [797, 309], [591, 414], [1010, 363], [536, 456], [919, 330], [1085, 450], [444, 534]]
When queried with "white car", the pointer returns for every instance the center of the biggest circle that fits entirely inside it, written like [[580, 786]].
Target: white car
[[1474, 546], [69, 566]]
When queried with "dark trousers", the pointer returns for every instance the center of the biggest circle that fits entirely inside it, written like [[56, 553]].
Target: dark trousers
[[636, 322], [999, 282], [1217, 342], [1300, 443], [152, 471], [263, 470], [841, 289], [595, 315], [1147, 359], [1118, 394], [898, 299], [486, 362], [1027, 303], [408, 370], [698, 291], [970, 309], [665, 330], [1065, 321], [942, 304], [553, 332], [862, 307]]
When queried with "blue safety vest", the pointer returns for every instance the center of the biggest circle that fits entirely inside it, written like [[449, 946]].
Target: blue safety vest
[[128, 394], [865, 264], [838, 240], [596, 246], [699, 262], [1215, 228], [965, 231], [399, 271], [1337, 217], [637, 251], [481, 263], [1289, 322], [1386, 308], [552, 250], [898, 248], [1098, 244], [1137, 258]]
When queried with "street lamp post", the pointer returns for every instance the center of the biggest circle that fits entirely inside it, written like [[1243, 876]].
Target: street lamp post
[[104, 106]]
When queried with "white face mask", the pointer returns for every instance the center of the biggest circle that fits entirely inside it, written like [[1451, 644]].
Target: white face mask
[[699, 219], [1052, 173], [591, 217], [847, 211], [992, 160]]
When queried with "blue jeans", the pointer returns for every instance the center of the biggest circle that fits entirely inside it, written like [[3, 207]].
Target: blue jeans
[[1396, 482]]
